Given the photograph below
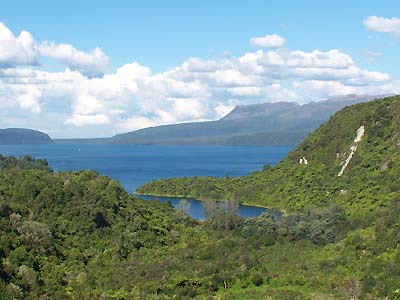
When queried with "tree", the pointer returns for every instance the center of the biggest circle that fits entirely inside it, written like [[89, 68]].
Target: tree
[[182, 209], [257, 280], [210, 208], [352, 289], [36, 235]]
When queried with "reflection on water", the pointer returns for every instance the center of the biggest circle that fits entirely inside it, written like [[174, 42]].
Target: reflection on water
[[196, 207]]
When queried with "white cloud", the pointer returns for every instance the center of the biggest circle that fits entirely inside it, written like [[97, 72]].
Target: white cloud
[[86, 104], [136, 122], [95, 63], [82, 120], [24, 50], [16, 50], [28, 97], [242, 91], [268, 41], [189, 109], [132, 97], [323, 89], [231, 77], [380, 24], [222, 109]]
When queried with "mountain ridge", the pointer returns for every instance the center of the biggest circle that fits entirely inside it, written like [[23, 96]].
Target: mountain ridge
[[23, 136], [325, 152], [280, 124]]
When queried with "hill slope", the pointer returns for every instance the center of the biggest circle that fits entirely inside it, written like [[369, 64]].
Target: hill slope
[[353, 160], [78, 235], [370, 178], [19, 136], [268, 124]]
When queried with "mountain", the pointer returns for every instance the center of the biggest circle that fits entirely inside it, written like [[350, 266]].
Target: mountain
[[19, 136], [268, 124], [310, 172]]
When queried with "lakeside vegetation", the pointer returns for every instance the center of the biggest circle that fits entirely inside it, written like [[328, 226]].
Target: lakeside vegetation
[[369, 186], [371, 179], [79, 235]]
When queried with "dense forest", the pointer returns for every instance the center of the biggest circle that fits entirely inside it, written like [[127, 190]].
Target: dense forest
[[79, 235], [308, 177]]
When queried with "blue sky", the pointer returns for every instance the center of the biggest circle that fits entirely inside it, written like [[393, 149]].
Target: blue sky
[[163, 35]]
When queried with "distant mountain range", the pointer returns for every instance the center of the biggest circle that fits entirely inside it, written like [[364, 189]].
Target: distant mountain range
[[21, 136], [267, 124]]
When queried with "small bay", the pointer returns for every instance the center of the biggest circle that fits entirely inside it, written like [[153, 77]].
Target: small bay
[[196, 207]]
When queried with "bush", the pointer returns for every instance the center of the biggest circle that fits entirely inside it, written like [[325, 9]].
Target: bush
[[257, 280]]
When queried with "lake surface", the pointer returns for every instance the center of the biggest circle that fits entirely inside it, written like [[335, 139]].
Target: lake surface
[[134, 165], [196, 207]]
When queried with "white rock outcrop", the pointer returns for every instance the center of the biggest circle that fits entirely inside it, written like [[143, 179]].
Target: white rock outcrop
[[360, 133], [303, 160]]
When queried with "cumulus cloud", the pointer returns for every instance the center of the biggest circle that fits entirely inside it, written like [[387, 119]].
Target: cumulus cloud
[[323, 89], [223, 109], [380, 24], [82, 120], [86, 105], [28, 97], [16, 50], [268, 41], [136, 122], [133, 97], [94, 63], [24, 50]]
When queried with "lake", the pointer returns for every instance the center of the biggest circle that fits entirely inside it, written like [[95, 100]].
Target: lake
[[134, 165], [196, 207]]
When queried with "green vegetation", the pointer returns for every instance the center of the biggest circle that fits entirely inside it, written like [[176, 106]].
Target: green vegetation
[[371, 179], [79, 235], [24, 163], [368, 188]]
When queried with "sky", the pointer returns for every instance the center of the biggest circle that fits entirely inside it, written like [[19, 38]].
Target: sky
[[76, 69]]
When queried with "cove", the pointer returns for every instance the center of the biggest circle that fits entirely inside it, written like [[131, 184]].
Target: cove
[[134, 165], [196, 207]]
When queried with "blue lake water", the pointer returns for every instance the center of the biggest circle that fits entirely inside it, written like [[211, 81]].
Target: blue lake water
[[196, 207], [134, 165]]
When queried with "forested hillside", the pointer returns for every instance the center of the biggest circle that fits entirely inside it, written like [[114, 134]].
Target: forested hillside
[[352, 160], [308, 176], [79, 235]]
